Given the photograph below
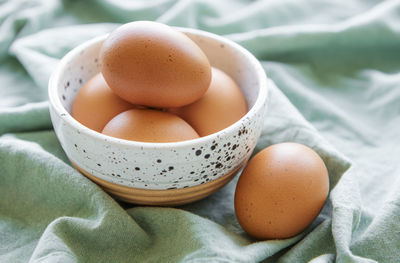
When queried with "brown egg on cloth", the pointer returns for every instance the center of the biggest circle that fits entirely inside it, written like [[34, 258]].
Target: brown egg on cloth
[[152, 64], [147, 125], [95, 104], [281, 191], [222, 105]]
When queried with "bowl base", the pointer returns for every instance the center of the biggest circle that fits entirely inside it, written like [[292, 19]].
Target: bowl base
[[170, 197]]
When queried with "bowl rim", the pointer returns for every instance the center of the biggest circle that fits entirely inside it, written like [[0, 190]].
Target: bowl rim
[[57, 105]]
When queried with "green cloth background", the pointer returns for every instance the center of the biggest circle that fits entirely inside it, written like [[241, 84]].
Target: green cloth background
[[335, 71]]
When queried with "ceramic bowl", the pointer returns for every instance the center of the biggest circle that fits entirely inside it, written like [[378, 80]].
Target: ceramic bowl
[[159, 173]]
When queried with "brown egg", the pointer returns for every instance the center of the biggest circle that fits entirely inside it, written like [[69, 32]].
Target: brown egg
[[222, 105], [95, 104], [146, 125], [281, 191], [152, 64]]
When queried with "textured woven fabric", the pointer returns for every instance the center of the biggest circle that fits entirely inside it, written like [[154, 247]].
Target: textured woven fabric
[[334, 86]]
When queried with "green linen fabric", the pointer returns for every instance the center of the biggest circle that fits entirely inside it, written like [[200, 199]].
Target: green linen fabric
[[334, 69]]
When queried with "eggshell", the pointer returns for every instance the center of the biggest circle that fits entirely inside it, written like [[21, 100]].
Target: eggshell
[[281, 191], [147, 125], [222, 105], [152, 64], [95, 104]]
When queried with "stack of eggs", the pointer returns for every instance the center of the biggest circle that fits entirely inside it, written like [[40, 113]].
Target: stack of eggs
[[158, 115], [157, 85]]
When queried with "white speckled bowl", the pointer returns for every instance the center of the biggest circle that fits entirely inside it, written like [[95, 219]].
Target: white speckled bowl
[[131, 169]]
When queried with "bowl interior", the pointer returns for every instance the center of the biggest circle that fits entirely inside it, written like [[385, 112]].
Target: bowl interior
[[221, 54]]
